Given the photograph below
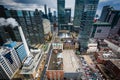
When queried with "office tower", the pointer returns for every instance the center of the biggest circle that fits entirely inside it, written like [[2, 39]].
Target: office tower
[[61, 11], [10, 63], [113, 17], [12, 33], [86, 21], [105, 11], [100, 30], [45, 9], [3, 35], [8, 33], [50, 15], [27, 20], [54, 16], [67, 15], [2, 11], [39, 26], [79, 8]]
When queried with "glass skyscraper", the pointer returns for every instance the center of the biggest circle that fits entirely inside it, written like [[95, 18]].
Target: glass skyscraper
[[84, 15], [79, 8], [67, 15], [31, 24], [61, 11]]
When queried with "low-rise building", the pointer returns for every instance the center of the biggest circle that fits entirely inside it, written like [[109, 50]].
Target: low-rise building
[[113, 68], [113, 44], [32, 66], [102, 56], [62, 64], [92, 46]]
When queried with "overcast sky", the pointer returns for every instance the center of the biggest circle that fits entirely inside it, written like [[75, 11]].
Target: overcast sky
[[33, 4]]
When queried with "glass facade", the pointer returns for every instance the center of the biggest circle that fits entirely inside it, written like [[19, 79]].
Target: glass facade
[[21, 52], [61, 11], [84, 15], [67, 15], [79, 7], [30, 23]]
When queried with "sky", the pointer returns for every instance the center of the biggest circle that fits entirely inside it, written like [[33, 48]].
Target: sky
[[39, 4]]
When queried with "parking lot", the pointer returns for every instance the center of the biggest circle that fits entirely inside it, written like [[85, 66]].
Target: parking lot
[[89, 67]]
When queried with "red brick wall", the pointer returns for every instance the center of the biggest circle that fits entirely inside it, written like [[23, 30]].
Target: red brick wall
[[55, 74]]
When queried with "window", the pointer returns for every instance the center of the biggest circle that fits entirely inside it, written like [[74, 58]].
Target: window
[[99, 31]]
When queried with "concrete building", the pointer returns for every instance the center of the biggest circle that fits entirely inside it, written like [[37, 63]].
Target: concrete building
[[10, 63], [47, 29], [113, 44], [46, 26], [100, 30], [92, 46]]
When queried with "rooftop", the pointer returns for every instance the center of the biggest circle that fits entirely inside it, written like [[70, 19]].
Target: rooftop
[[32, 64], [116, 62], [56, 60], [12, 44], [101, 23], [107, 55], [70, 62], [114, 42], [4, 50]]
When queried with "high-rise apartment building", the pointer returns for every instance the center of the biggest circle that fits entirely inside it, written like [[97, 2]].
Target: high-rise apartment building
[[19, 48], [61, 11], [10, 63], [85, 12]]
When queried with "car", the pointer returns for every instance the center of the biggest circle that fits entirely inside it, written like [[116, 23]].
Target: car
[[46, 65]]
